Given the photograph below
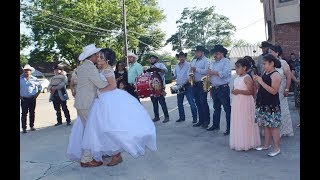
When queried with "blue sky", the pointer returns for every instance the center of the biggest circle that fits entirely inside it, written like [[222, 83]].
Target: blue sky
[[240, 12]]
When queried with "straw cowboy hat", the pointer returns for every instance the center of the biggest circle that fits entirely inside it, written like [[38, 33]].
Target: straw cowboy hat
[[132, 55], [88, 51], [27, 66]]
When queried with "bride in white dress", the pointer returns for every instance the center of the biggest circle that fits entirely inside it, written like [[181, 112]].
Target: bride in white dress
[[117, 122]]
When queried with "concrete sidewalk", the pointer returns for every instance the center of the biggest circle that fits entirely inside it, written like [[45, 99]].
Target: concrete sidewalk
[[184, 152]]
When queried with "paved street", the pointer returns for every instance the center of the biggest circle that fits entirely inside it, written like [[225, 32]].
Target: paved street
[[184, 152]]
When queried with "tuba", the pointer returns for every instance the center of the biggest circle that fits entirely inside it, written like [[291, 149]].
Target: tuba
[[191, 75], [206, 81]]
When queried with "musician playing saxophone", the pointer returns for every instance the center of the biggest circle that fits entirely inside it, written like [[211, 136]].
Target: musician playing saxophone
[[220, 72], [181, 74], [199, 67]]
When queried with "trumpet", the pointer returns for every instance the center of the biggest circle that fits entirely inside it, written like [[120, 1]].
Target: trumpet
[[206, 81], [191, 75]]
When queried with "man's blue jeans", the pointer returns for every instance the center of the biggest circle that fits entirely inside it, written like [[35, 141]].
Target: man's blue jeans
[[162, 101], [200, 97], [221, 96], [180, 97]]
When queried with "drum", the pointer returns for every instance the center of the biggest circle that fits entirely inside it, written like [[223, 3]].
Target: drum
[[148, 84], [177, 89]]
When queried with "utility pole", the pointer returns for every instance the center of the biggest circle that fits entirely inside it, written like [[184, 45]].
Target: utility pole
[[125, 32]]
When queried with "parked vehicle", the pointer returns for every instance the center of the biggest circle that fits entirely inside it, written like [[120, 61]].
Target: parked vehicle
[[43, 80]]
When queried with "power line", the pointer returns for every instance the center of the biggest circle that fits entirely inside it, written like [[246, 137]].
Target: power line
[[99, 32], [76, 22], [250, 24], [76, 31], [71, 20], [75, 38], [86, 33]]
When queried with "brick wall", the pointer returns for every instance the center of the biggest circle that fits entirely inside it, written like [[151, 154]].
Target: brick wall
[[288, 37]]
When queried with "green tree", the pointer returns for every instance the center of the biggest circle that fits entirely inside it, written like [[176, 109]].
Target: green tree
[[149, 42], [25, 41], [201, 26], [66, 26], [23, 59], [241, 42]]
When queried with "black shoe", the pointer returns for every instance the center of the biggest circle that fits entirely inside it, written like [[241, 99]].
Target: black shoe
[[205, 126], [155, 119], [226, 133], [197, 124], [213, 128], [24, 131], [32, 129], [68, 123], [194, 121], [58, 124], [166, 120], [179, 120]]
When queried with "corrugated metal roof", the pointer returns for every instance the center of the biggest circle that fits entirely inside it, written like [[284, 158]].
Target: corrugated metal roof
[[239, 52]]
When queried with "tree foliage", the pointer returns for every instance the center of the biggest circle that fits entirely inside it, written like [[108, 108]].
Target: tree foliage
[[201, 26], [241, 42], [66, 26]]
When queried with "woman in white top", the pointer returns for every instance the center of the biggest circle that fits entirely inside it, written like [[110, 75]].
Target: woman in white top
[[286, 128]]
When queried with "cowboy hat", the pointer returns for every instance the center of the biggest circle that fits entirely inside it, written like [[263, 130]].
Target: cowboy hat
[[181, 54], [132, 55], [219, 48], [27, 66], [201, 48], [88, 51], [57, 67], [154, 56], [265, 44]]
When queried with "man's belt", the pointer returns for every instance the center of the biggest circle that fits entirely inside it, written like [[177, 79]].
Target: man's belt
[[220, 86]]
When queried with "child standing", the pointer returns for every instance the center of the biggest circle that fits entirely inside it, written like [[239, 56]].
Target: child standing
[[244, 132], [268, 112]]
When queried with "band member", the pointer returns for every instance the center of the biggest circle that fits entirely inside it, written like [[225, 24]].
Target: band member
[[265, 48], [135, 69], [181, 74], [220, 72], [30, 89], [163, 70], [199, 67]]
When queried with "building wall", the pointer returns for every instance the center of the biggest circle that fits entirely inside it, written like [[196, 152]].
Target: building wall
[[288, 37], [287, 12]]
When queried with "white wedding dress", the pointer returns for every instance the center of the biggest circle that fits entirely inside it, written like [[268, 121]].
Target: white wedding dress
[[116, 122]]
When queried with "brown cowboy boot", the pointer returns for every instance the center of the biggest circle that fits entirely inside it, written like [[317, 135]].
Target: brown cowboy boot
[[116, 159], [92, 163]]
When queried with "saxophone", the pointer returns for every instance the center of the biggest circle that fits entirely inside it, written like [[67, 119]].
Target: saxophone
[[191, 75], [206, 81]]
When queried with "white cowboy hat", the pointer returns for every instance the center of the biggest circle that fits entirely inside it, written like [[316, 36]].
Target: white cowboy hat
[[27, 66], [132, 55], [88, 51]]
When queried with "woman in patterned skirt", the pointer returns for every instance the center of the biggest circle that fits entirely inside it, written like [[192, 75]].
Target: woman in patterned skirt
[[268, 112]]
